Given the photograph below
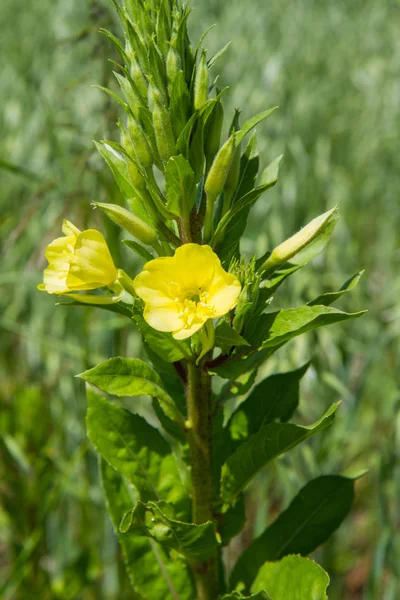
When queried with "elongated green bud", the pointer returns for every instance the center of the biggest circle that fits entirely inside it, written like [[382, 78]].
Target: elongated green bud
[[140, 145], [220, 168], [125, 219], [213, 133], [232, 179], [201, 83], [174, 65], [163, 131], [138, 77], [135, 175], [317, 231], [126, 141]]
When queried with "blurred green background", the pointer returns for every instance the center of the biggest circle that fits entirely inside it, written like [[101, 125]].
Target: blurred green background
[[333, 68]]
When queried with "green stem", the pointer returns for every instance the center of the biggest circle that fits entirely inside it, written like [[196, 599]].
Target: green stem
[[198, 399]]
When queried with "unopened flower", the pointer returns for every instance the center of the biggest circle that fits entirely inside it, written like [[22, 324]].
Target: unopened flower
[[182, 292], [80, 260]]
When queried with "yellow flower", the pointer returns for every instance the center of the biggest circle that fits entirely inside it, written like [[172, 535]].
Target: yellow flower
[[80, 260], [182, 292]]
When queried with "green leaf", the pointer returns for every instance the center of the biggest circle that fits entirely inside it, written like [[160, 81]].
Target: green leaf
[[232, 521], [330, 297], [118, 307], [115, 97], [230, 229], [218, 55], [157, 521], [146, 121], [275, 329], [152, 572], [180, 187], [293, 577], [162, 343], [131, 377], [249, 164], [279, 327], [139, 249], [260, 448], [236, 596], [276, 397], [118, 167], [271, 172], [251, 123], [226, 337], [182, 143], [137, 450], [313, 515], [179, 104]]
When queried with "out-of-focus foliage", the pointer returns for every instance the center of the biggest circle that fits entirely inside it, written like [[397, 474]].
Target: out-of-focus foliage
[[333, 70]]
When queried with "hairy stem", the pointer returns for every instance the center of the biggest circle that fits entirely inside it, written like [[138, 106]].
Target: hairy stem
[[198, 398]]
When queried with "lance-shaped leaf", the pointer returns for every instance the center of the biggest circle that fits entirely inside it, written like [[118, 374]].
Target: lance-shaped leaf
[[162, 343], [130, 445], [279, 327], [115, 306], [276, 397], [251, 123], [181, 186], [249, 164], [131, 377], [232, 521], [330, 297], [236, 596], [139, 249], [313, 515], [268, 443], [118, 167], [226, 337], [292, 577], [157, 521], [152, 572], [230, 229], [273, 330]]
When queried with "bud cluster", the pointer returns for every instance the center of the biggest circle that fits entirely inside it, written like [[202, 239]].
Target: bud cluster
[[171, 109]]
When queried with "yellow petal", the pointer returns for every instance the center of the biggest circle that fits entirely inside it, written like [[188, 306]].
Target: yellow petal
[[69, 228], [224, 293], [91, 265], [195, 266], [61, 248], [184, 333], [163, 318], [154, 284]]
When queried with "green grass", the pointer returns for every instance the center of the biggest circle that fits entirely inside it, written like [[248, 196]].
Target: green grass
[[333, 70]]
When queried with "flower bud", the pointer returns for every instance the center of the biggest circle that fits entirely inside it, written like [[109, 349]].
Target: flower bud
[[232, 180], [163, 131], [310, 234], [80, 260], [219, 169], [138, 77], [122, 217], [173, 66], [201, 83], [140, 145], [213, 133]]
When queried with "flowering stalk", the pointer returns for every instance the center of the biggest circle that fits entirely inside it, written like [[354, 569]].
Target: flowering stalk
[[199, 434], [175, 484]]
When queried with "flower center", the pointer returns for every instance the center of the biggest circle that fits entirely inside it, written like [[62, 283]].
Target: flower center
[[195, 307]]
